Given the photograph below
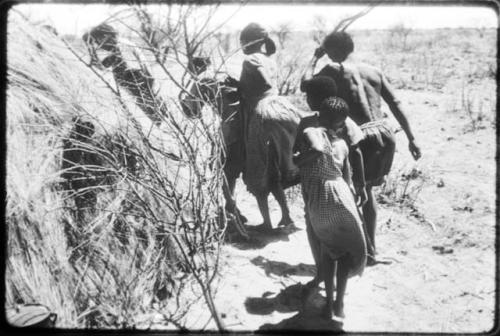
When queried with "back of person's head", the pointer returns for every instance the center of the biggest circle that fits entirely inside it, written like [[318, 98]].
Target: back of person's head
[[318, 89], [338, 45], [103, 35], [199, 64], [253, 36], [333, 110]]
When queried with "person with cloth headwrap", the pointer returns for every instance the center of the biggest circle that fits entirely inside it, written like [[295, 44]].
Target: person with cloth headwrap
[[270, 125], [363, 87], [330, 206]]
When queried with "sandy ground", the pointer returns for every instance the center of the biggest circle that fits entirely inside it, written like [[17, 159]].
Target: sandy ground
[[441, 279]]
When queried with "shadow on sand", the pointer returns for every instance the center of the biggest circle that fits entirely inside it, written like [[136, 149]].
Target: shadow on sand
[[280, 268], [259, 238], [309, 304]]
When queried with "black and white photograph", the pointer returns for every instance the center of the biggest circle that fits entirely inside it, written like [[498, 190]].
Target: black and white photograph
[[251, 166]]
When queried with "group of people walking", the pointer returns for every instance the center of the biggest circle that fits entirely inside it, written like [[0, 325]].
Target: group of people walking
[[339, 151]]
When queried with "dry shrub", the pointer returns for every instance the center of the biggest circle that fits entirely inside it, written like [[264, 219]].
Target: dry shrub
[[402, 187], [141, 228], [289, 58], [433, 60]]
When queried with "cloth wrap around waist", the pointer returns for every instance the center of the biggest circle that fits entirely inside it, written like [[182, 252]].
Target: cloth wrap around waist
[[378, 147], [271, 127]]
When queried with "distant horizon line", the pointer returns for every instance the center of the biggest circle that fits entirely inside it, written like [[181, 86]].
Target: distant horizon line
[[358, 30]]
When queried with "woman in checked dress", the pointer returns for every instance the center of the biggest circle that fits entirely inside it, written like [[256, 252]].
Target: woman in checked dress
[[325, 177]]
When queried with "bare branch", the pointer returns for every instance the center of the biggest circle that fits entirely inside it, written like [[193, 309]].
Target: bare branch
[[343, 24]]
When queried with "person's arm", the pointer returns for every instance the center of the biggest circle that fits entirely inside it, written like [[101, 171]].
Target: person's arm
[[395, 107], [353, 136], [346, 171], [308, 73], [254, 66], [309, 148], [311, 66], [298, 144], [358, 173], [302, 158]]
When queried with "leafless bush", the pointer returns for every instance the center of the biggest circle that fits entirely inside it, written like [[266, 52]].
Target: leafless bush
[[473, 107], [398, 37], [151, 232], [282, 33], [289, 58], [402, 187], [224, 41], [319, 29]]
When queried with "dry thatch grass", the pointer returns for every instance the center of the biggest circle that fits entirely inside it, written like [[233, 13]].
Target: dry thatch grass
[[145, 215]]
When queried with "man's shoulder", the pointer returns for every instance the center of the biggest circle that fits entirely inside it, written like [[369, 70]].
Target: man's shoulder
[[368, 70], [329, 70]]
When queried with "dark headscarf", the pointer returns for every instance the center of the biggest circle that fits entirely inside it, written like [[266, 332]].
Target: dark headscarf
[[254, 33], [103, 35]]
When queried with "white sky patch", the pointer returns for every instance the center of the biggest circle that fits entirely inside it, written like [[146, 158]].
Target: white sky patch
[[75, 19]]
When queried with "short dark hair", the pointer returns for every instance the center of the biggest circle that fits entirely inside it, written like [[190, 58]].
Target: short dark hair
[[319, 87], [341, 42], [333, 109], [199, 64]]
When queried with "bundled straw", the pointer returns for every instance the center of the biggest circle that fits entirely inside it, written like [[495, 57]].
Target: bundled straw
[[105, 211]]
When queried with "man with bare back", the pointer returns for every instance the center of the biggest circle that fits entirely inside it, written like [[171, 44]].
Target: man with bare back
[[363, 87]]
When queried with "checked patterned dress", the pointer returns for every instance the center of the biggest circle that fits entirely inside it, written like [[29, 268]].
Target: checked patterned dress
[[330, 203]]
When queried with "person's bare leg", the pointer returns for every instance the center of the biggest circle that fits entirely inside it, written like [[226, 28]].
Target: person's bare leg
[[343, 266], [370, 218], [314, 283], [279, 195], [231, 207], [228, 190], [264, 211], [328, 268], [316, 252]]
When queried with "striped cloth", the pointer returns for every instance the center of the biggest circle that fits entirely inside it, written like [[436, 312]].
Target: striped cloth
[[378, 147]]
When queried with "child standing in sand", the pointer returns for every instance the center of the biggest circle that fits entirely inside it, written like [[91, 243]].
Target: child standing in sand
[[325, 177]]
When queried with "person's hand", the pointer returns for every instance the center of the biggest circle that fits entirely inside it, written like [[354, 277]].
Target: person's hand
[[232, 82], [319, 52], [361, 194], [415, 150]]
